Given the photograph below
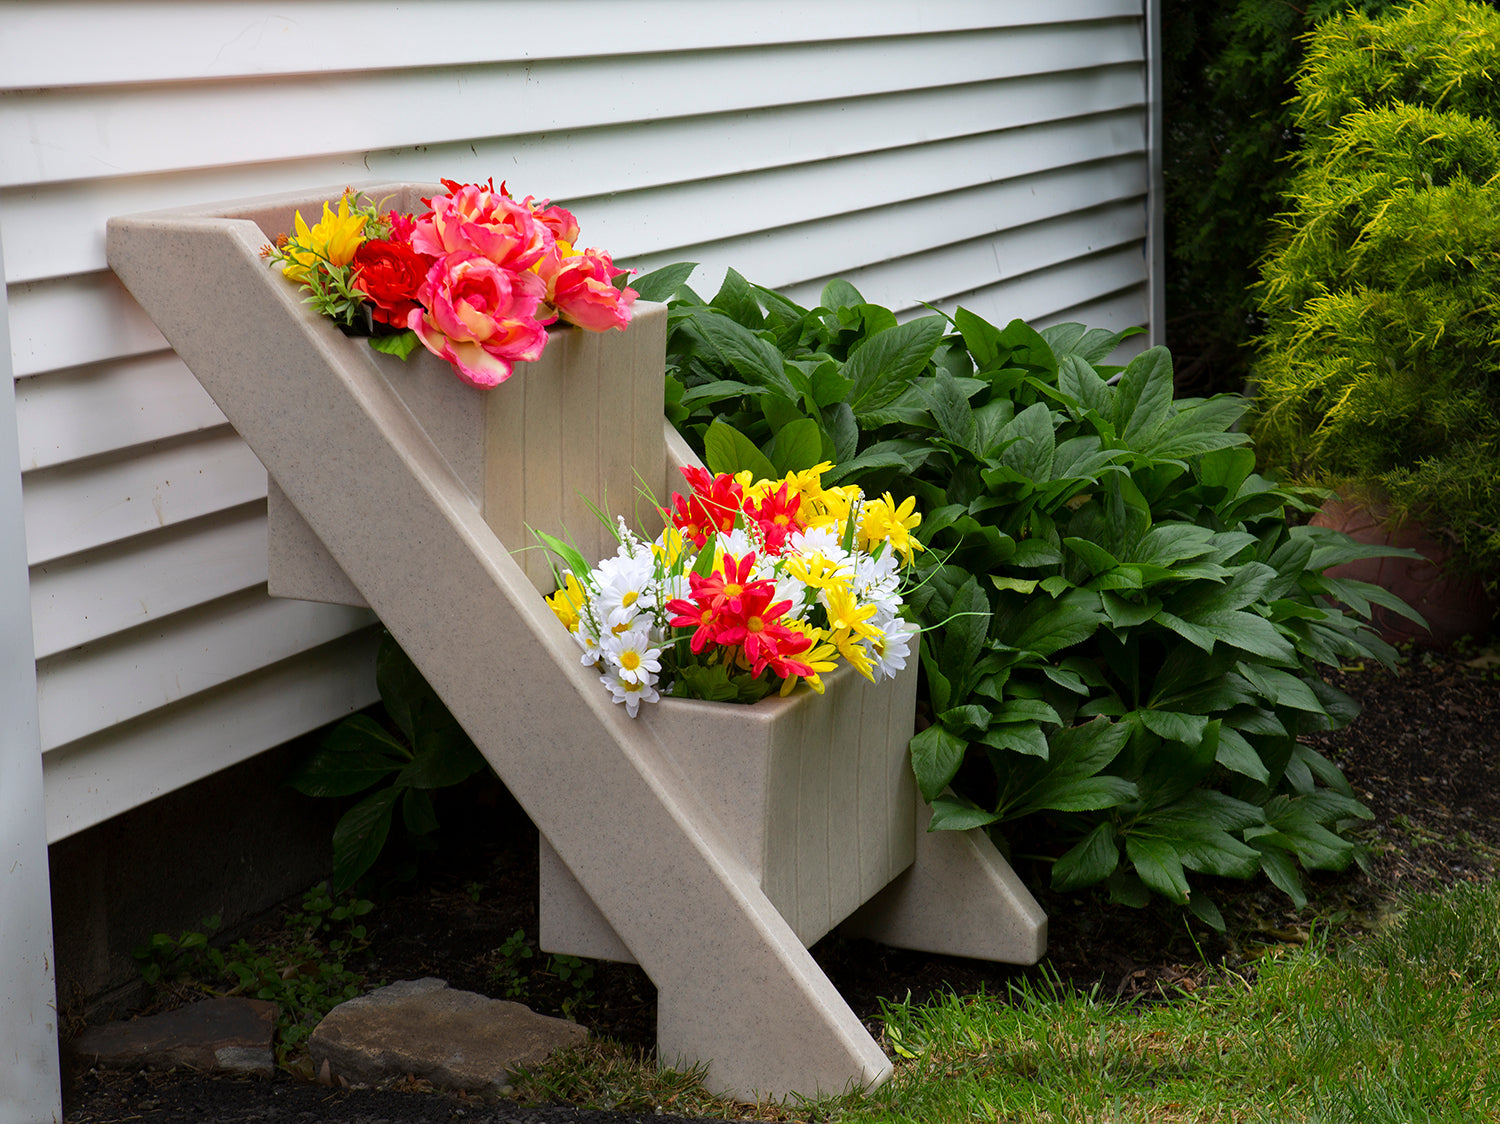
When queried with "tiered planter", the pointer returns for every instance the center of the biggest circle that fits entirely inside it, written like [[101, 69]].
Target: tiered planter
[[706, 841]]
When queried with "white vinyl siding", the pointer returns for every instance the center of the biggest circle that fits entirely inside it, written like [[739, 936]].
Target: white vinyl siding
[[990, 153]]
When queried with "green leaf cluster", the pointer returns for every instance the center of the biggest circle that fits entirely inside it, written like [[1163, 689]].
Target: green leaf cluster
[[1122, 624], [1376, 371], [305, 972], [397, 769]]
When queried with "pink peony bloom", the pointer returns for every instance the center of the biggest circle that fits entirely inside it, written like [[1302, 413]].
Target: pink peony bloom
[[474, 219], [479, 317], [579, 290], [559, 222]]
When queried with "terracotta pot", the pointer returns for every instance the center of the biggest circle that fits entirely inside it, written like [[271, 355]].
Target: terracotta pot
[[1453, 604], [814, 792]]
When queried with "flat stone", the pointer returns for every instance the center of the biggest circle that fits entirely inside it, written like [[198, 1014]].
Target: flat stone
[[458, 1040], [215, 1035]]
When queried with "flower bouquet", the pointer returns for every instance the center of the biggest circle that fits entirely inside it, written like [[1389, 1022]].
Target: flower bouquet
[[475, 280], [752, 585]]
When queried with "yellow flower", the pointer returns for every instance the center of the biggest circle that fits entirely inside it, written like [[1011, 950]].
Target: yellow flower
[[814, 570], [885, 522], [820, 657], [848, 624], [333, 240], [567, 602], [669, 548]]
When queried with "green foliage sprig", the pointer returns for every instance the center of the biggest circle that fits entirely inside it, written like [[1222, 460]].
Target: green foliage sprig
[[306, 975], [428, 750], [1376, 370], [1122, 625]]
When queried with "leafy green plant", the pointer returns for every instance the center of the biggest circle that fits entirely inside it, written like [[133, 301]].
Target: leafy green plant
[[1376, 368], [1122, 623], [306, 976], [512, 972], [427, 750]]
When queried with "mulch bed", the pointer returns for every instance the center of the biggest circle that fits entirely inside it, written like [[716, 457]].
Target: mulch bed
[[1424, 756]]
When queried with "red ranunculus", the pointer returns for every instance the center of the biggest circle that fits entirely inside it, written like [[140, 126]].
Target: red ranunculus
[[389, 273]]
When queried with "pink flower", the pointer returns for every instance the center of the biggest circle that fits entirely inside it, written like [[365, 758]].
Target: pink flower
[[477, 220], [480, 317], [579, 289], [559, 222]]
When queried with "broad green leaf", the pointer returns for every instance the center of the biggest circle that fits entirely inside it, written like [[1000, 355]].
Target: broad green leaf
[[711, 392], [1026, 710], [1129, 614], [1095, 557], [1066, 623], [357, 753], [1091, 860], [1031, 443], [1239, 756], [1077, 379], [726, 449], [1280, 869], [797, 447], [401, 344], [1204, 909], [1159, 865], [936, 755], [1028, 348], [882, 367], [1019, 585], [964, 633], [736, 299], [445, 756], [1281, 687], [1016, 737], [1087, 794], [661, 284], [400, 683], [744, 352], [980, 336], [839, 424], [359, 836], [1174, 726], [952, 412], [1143, 397], [1169, 543], [838, 294], [417, 812], [953, 813], [1249, 632]]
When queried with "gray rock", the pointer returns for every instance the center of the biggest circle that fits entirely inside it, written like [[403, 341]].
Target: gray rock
[[457, 1040], [214, 1035]]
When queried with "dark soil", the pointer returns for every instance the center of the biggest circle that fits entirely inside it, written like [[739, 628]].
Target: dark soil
[[1424, 756]]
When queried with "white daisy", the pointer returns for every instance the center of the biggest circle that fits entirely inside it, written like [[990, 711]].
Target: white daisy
[[631, 694], [632, 656]]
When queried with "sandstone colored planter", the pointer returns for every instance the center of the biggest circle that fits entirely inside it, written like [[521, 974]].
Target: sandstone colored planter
[[707, 848], [1453, 604], [814, 793]]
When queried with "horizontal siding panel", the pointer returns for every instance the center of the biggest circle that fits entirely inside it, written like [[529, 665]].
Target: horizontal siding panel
[[71, 321], [1051, 296], [78, 507], [88, 781], [225, 40], [638, 224], [904, 241], [119, 130], [86, 597], [55, 230], [105, 407], [92, 688], [904, 178]]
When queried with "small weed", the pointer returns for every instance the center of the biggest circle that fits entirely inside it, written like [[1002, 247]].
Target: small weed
[[512, 973], [306, 975]]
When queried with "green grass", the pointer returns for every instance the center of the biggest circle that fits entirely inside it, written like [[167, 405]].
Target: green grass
[[1403, 1026]]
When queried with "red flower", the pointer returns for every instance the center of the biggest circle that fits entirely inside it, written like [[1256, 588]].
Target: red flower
[[776, 516], [715, 503], [765, 641], [389, 273]]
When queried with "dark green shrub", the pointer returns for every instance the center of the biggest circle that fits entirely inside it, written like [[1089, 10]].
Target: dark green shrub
[[1122, 627], [1227, 71], [1378, 367]]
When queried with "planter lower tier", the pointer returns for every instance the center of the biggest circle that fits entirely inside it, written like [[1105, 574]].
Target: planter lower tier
[[814, 794]]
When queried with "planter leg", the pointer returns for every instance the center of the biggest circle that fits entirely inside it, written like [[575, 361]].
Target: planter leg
[[960, 898]]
